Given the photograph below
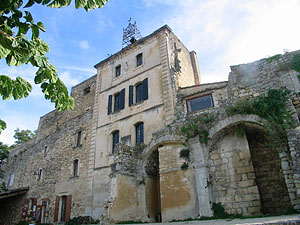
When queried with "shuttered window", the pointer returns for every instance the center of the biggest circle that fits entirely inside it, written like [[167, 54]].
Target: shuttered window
[[62, 209], [115, 140], [119, 100], [141, 91]]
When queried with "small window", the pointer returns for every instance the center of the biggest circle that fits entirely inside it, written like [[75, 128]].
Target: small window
[[199, 103], [78, 142], [75, 167], [39, 174], [115, 140], [139, 59], [118, 71], [45, 151], [139, 132], [86, 90], [11, 180]]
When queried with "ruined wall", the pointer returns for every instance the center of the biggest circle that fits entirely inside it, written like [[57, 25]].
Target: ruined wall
[[46, 162]]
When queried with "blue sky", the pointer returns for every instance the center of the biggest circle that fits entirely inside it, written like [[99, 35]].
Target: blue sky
[[222, 32]]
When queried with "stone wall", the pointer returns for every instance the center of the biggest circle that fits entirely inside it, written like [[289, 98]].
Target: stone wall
[[45, 163]]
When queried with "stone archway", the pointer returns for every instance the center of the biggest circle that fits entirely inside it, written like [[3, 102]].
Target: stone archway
[[270, 180], [246, 174]]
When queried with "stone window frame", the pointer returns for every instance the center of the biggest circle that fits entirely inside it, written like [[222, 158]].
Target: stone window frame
[[86, 90], [78, 137], [39, 174], [188, 106]]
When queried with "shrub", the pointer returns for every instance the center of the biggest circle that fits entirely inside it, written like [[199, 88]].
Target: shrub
[[273, 58], [184, 166], [82, 220], [295, 63], [184, 153]]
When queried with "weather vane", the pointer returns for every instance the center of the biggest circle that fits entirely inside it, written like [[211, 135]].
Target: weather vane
[[130, 34]]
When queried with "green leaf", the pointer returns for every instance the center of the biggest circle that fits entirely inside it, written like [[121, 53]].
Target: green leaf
[[29, 4], [80, 3], [3, 52], [38, 1], [2, 125], [35, 31], [59, 3], [41, 26], [28, 17], [45, 2], [10, 59]]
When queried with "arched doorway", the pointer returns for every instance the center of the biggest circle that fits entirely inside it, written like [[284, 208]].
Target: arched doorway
[[153, 201], [269, 177]]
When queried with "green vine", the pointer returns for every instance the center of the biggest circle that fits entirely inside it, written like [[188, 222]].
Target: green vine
[[295, 62], [273, 58], [271, 107], [197, 127]]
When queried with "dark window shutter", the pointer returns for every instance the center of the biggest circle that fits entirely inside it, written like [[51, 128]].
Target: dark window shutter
[[122, 98], [56, 209], [109, 104], [145, 89], [130, 95], [68, 208]]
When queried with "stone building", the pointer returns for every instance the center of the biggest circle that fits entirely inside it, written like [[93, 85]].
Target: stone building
[[147, 142]]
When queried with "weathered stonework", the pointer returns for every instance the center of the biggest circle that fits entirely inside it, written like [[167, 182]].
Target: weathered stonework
[[119, 179]]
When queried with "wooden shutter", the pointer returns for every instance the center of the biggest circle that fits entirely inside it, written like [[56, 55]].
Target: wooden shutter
[[130, 95], [122, 98], [56, 209], [68, 208], [109, 104], [145, 89]]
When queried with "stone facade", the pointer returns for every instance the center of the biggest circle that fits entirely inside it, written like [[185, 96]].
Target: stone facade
[[121, 155]]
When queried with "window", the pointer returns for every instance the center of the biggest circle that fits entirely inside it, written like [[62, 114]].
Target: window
[[75, 167], [11, 180], [139, 133], [86, 90], [139, 59], [118, 71], [141, 92], [115, 140], [119, 101], [39, 174], [199, 103], [45, 151], [78, 142], [63, 207]]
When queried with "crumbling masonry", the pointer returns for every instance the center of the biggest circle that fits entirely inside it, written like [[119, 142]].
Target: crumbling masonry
[[122, 155]]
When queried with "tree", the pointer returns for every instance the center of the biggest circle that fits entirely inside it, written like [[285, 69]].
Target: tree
[[22, 136], [4, 152], [17, 49]]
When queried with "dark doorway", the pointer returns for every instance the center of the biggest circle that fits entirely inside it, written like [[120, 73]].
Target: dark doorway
[[153, 187], [270, 181]]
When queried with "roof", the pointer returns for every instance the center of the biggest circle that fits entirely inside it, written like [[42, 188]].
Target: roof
[[134, 44], [14, 192]]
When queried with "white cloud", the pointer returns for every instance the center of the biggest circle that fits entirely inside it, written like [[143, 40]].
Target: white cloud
[[68, 79], [229, 32], [84, 44]]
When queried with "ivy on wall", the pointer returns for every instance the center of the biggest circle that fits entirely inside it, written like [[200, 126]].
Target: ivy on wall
[[271, 107]]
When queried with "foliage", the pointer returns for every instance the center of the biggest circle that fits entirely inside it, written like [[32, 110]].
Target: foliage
[[4, 152], [16, 23], [271, 107], [219, 211], [184, 153], [184, 166], [295, 62], [23, 222], [3, 187], [2, 125], [197, 127], [22, 136], [130, 222], [82, 220], [273, 58]]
